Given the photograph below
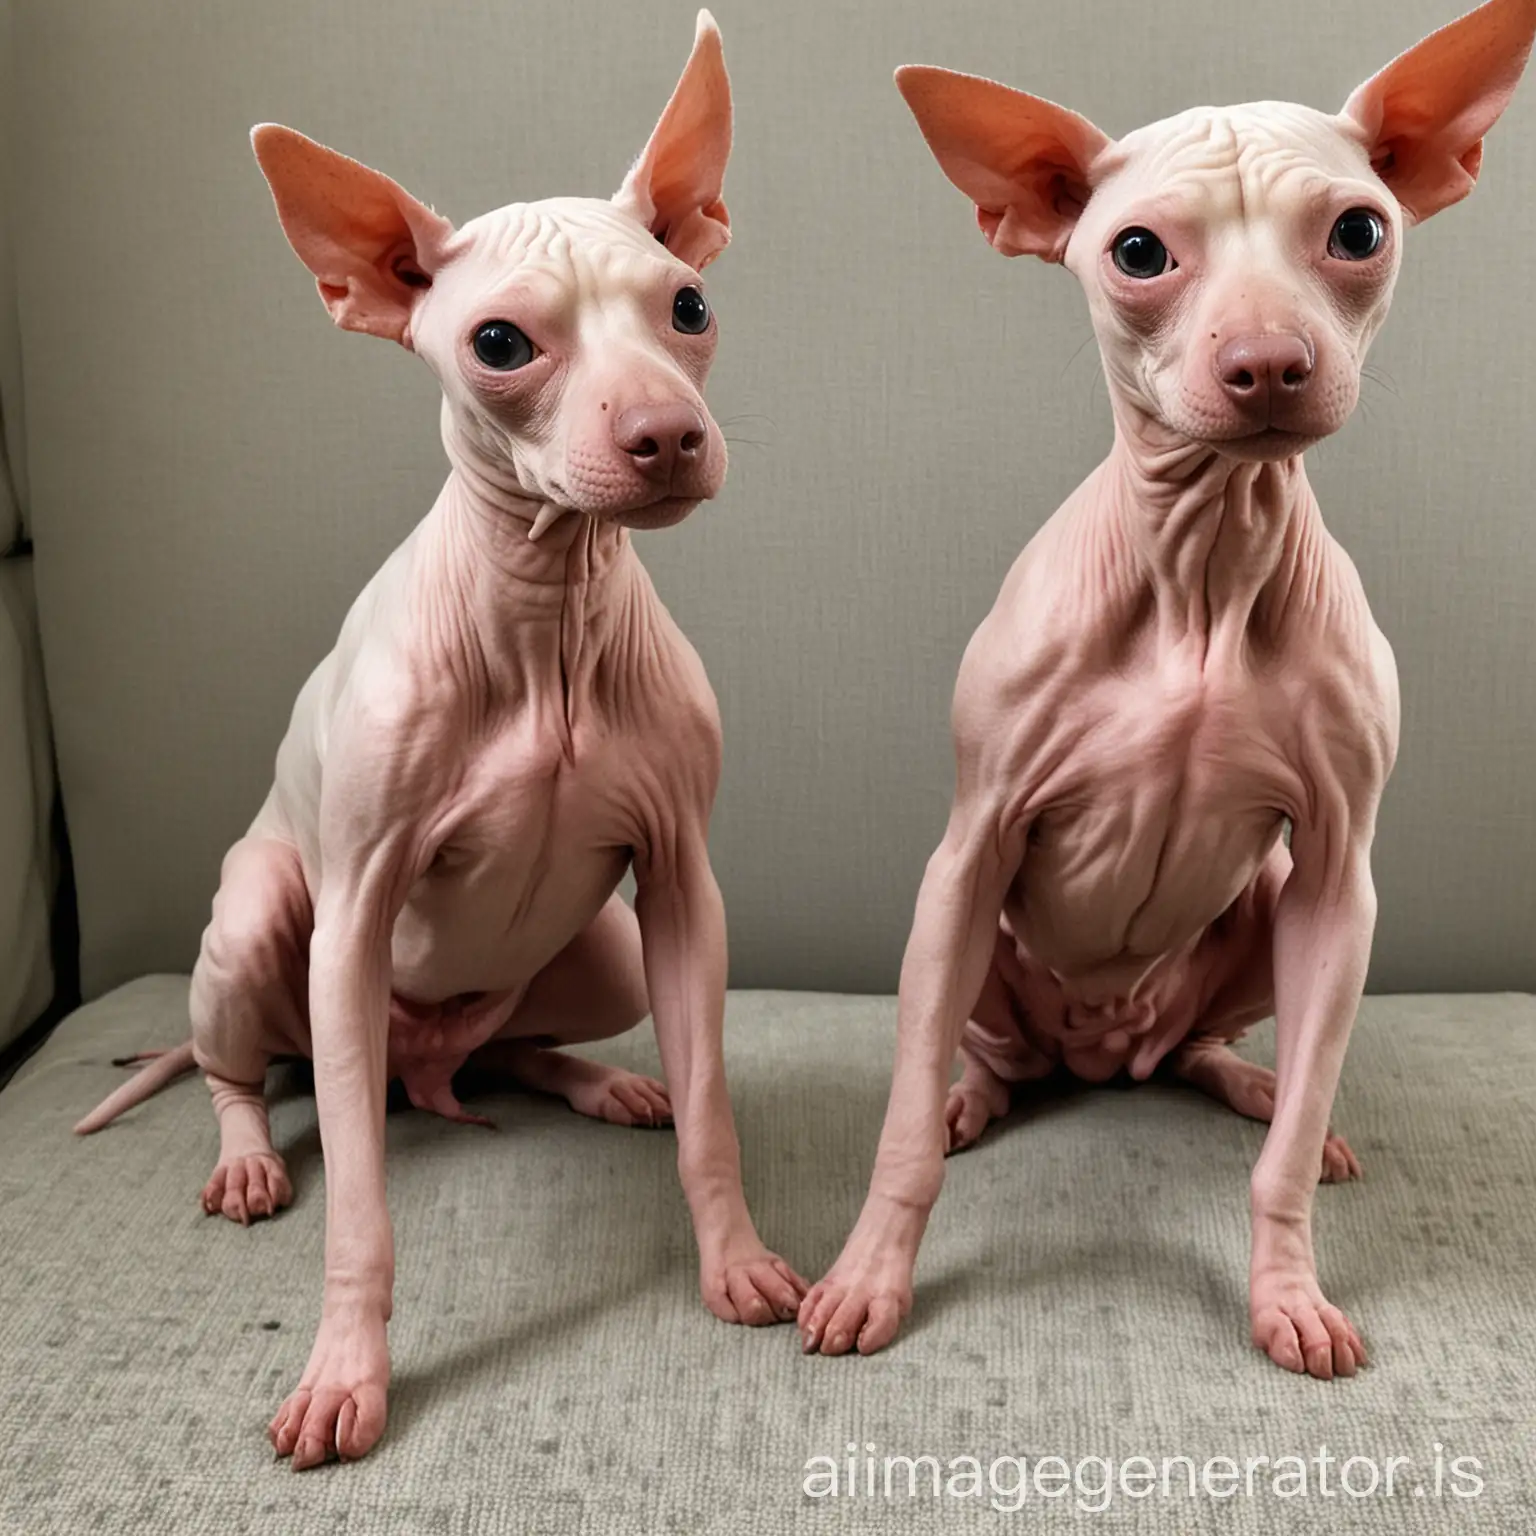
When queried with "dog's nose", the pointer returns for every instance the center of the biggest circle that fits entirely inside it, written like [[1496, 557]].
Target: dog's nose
[[1258, 370], [660, 439]]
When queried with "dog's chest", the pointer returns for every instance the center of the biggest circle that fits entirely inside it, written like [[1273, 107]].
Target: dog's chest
[[1170, 792], [536, 837], [1199, 733]]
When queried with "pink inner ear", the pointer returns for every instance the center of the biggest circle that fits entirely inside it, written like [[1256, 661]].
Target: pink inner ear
[[1041, 224], [408, 271], [1024, 162], [675, 185], [369, 243], [1426, 113], [699, 235]]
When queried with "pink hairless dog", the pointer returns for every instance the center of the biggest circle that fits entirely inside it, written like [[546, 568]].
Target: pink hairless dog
[[1182, 662], [508, 719]]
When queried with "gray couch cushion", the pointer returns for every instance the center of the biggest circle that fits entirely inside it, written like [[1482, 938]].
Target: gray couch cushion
[[26, 805], [215, 472], [1081, 1292]]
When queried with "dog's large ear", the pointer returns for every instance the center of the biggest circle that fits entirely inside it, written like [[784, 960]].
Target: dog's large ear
[[1024, 162], [1425, 114], [372, 247], [674, 187]]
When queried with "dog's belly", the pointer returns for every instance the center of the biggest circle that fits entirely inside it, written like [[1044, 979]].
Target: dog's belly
[[1110, 891], [1104, 978]]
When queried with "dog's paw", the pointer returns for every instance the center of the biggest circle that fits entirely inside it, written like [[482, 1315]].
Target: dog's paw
[[248, 1188]]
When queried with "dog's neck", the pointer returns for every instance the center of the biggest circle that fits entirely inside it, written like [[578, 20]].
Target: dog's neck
[[528, 601], [1225, 545], [516, 534]]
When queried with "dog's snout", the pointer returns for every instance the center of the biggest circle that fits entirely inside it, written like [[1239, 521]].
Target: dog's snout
[[1255, 370], [660, 439]]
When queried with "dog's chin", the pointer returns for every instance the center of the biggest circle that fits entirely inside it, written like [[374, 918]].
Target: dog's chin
[[1267, 446], [663, 513]]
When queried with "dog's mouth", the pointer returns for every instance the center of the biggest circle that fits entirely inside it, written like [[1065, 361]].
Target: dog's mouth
[[1281, 429], [656, 509], [1266, 444]]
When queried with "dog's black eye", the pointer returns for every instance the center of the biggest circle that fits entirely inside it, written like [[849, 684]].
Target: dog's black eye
[[1139, 253], [500, 345], [690, 312], [1357, 235]]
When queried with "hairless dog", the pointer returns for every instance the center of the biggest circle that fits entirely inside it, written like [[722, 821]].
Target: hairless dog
[[510, 718], [1182, 663]]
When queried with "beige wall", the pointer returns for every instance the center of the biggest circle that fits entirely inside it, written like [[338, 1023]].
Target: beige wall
[[215, 471]]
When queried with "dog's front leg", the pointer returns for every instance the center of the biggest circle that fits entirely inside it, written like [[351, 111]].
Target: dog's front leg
[[1322, 944], [682, 929], [375, 802], [861, 1302], [338, 1407]]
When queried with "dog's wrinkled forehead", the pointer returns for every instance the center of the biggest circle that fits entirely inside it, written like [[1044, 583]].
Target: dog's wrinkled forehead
[[572, 242], [1250, 156]]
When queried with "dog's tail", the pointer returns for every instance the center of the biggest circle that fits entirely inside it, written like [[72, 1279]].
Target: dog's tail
[[164, 1067]]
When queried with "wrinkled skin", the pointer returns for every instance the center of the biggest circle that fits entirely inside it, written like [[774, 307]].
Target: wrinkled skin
[[1181, 663], [508, 722]]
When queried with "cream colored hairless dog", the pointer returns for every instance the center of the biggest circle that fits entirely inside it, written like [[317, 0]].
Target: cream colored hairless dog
[[509, 718], [1182, 661]]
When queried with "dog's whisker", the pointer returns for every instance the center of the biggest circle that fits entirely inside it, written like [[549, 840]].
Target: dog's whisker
[[1088, 342], [1385, 381]]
